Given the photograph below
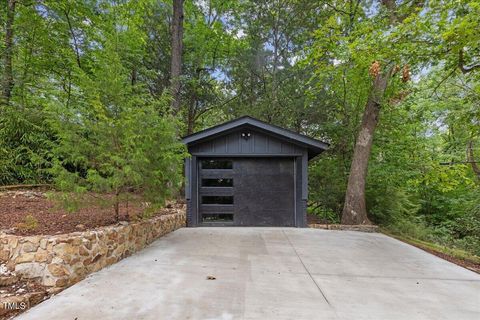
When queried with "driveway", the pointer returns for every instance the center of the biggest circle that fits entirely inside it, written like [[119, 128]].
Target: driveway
[[272, 273]]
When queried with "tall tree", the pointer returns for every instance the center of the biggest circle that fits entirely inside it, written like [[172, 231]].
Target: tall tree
[[7, 84], [268, 74], [355, 209], [177, 46]]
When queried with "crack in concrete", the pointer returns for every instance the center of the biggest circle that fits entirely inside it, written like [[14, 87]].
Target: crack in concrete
[[305, 267]]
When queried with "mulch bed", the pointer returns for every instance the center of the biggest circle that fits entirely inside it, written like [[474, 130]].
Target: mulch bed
[[22, 287], [52, 218], [13, 287]]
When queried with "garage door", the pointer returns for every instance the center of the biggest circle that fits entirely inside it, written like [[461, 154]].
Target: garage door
[[247, 191]]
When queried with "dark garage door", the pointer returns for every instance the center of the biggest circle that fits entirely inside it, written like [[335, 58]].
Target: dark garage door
[[247, 191]]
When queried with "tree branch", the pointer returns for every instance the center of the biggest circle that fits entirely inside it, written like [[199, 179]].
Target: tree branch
[[442, 81], [336, 9], [74, 38], [461, 64]]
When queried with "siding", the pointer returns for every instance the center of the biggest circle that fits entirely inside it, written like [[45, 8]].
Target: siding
[[258, 143]]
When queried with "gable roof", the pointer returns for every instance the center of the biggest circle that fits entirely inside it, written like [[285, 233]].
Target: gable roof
[[314, 146]]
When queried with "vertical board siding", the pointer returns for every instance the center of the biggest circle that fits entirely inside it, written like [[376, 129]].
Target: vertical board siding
[[188, 173], [258, 143], [233, 145]]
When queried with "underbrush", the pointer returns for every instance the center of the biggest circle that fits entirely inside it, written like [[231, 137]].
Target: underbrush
[[325, 215], [436, 238], [443, 222]]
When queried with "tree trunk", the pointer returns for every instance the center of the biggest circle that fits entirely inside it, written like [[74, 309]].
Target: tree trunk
[[116, 206], [7, 83], [176, 62], [354, 209], [471, 159]]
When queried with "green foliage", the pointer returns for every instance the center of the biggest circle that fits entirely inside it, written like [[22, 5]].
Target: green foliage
[[453, 252], [116, 140], [136, 151], [80, 116], [89, 108], [392, 206], [25, 147], [31, 223], [326, 187], [423, 124]]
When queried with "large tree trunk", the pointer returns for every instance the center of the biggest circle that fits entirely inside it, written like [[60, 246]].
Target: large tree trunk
[[7, 83], [177, 44], [354, 210]]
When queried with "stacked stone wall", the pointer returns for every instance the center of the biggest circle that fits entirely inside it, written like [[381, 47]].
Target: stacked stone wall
[[59, 261]]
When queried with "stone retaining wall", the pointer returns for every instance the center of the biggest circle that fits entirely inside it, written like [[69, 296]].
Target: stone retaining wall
[[345, 227], [59, 261]]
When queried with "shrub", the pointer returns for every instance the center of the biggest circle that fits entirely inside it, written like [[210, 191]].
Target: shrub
[[29, 223]]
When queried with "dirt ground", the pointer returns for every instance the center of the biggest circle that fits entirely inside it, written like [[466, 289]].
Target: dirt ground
[[28, 212]]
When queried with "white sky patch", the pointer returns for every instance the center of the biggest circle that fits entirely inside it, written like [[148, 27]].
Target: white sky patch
[[236, 33], [293, 60], [441, 125], [228, 92], [239, 34], [373, 9], [423, 72], [202, 5], [436, 126]]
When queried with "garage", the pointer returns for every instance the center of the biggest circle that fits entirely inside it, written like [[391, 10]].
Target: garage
[[248, 173]]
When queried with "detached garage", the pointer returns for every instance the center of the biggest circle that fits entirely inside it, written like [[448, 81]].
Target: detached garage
[[246, 172]]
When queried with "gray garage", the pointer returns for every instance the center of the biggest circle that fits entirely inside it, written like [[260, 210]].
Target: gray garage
[[246, 172]]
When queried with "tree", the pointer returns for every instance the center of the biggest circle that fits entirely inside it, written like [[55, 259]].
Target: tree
[[268, 75], [177, 49], [114, 140], [134, 150], [355, 209]]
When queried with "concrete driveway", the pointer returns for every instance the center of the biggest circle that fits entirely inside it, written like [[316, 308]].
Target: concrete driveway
[[272, 273]]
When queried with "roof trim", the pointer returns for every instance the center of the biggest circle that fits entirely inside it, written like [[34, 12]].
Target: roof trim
[[315, 146]]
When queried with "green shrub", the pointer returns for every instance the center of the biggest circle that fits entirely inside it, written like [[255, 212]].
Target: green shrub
[[29, 223], [392, 206], [325, 214]]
